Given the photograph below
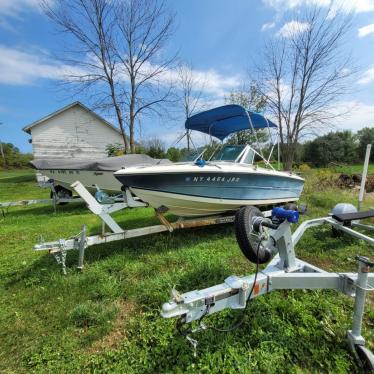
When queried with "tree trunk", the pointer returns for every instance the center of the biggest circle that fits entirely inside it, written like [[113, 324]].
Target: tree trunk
[[132, 115], [123, 132], [132, 141], [288, 154]]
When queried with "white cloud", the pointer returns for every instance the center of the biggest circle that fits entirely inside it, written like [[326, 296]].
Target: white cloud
[[21, 68], [14, 7], [292, 28], [11, 10], [209, 81], [170, 137], [267, 26], [216, 83], [358, 6], [292, 4], [359, 115], [366, 30], [367, 77]]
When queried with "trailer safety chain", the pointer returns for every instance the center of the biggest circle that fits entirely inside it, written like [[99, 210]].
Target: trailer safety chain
[[60, 256], [202, 326], [241, 321]]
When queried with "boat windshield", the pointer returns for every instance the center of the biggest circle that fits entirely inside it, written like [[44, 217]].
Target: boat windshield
[[228, 153]]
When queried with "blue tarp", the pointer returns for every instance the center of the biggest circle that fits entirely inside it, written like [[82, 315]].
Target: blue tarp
[[224, 120]]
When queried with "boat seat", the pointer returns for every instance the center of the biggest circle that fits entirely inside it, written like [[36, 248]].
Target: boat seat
[[348, 217]]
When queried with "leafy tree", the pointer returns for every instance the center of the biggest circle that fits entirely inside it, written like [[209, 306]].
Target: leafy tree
[[115, 149], [155, 148], [253, 101], [186, 154], [13, 157], [365, 137], [173, 154], [338, 147]]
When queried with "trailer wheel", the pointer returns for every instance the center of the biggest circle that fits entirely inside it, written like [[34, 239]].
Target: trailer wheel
[[62, 193], [247, 238], [366, 357], [290, 206]]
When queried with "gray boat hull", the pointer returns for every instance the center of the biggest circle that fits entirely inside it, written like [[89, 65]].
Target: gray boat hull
[[207, 193]]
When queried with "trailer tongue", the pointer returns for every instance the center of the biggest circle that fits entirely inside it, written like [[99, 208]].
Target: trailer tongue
[[261, 239]]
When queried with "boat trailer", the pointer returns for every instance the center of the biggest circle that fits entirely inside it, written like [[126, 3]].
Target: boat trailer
[[267, 239], [55, 199], [103, 210]]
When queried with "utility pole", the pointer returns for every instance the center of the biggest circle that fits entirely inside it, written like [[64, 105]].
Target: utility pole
[[2, 150]]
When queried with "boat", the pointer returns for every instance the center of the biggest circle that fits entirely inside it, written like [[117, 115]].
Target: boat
[[223, 183], [93, 174]]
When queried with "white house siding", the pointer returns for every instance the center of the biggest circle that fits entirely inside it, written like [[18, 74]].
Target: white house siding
[[74, 133]]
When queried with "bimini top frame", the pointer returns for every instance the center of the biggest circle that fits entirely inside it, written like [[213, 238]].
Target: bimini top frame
[[222, 121]]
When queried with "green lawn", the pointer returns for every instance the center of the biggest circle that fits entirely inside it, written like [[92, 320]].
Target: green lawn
[[106, 319]]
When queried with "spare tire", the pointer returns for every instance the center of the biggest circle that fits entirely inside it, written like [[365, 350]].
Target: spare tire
[[247, 239]]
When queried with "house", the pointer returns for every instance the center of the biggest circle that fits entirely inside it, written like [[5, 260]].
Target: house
[[74, 131]]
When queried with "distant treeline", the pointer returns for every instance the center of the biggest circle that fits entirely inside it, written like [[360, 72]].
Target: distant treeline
[[14, 159], [341, 147]]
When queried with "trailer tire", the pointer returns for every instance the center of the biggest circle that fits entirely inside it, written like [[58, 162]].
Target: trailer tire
[[62, 192], [290, 206], [366, 357], [246, 237]]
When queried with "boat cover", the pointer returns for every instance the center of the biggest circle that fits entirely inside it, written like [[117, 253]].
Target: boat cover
[[105, 164], [224, 120]]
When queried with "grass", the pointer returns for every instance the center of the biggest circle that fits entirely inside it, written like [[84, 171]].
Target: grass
[[106, 319], [353, 169]]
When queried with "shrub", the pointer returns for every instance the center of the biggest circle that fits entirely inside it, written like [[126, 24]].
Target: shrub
[[303, 168]]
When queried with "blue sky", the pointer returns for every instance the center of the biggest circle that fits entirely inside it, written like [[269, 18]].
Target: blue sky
[[218, 37]]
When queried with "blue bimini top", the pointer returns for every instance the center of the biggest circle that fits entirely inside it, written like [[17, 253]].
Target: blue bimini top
[[224, 120]]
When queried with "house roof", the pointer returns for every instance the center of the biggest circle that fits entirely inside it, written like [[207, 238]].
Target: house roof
[[76, 103]]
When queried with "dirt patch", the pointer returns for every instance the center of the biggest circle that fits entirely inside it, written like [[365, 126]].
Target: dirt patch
[[369, 196], [115, 337]]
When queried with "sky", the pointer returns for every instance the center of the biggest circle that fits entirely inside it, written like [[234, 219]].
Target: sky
[[219, 38]]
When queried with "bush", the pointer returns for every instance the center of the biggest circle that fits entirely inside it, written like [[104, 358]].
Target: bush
[[365, 137], [115, 149], [338, 147], [303, 168], [320, 180], [14, 158]]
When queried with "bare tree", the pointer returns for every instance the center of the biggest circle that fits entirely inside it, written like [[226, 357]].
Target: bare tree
[[191, 88], [116, 55], [145, 26], [304, 72], [92, 23], [253, 100]]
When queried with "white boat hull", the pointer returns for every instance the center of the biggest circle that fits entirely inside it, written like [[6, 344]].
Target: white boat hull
[[189, 190], [191, 206]]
